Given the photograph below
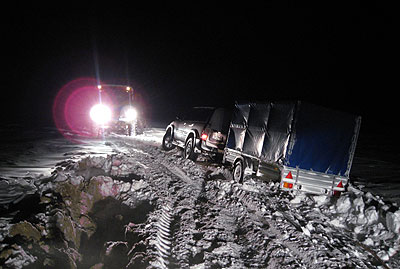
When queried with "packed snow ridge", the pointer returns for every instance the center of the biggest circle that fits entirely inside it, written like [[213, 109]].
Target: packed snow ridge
[[141, 207]]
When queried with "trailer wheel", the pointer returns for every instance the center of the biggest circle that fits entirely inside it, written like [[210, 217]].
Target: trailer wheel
[[238, 171]]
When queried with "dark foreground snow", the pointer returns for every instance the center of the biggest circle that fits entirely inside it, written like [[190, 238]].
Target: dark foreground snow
[[136, 206]]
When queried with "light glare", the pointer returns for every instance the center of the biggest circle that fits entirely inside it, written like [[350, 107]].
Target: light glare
[[100, 114], [131, 114]]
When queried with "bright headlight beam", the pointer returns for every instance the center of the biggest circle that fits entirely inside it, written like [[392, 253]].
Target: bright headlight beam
[[100, 114], [130, 114]]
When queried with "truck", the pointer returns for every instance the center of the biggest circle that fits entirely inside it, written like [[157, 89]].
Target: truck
[[118, 113], [305, 147]]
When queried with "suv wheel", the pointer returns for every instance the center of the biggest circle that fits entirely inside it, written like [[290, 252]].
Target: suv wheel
[[167, 141], [238, 172], [188, 151]]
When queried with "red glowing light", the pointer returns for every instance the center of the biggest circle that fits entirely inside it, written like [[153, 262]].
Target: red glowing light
[[287, 185]]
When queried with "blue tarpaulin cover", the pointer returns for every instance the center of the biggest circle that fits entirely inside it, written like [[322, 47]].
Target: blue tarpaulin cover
[[295, 134]]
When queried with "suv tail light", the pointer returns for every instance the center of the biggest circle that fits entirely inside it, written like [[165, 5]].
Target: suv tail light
[[204, 136]]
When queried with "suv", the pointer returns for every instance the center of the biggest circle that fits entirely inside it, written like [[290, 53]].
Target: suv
[[203, 130]]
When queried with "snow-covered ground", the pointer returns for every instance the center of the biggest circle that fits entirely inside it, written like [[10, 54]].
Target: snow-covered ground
[[123, 202]]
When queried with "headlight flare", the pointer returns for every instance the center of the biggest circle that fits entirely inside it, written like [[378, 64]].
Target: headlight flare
[[128, 114], [131, 114], [100, 114]]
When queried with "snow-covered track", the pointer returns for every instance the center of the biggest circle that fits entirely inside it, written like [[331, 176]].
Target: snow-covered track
[[266, 216], [163, 241], [180, 214], [175, 190]]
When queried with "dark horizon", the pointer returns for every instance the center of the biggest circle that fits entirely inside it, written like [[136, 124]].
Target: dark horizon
[[175, 60]]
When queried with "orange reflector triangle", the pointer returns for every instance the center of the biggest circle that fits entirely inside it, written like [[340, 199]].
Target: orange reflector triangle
[[340, 185], [289, 176]]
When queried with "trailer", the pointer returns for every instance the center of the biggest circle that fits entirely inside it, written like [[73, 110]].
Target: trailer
[[306, 147]]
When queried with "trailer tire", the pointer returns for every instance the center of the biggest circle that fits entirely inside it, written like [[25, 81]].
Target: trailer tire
[[238, 171]]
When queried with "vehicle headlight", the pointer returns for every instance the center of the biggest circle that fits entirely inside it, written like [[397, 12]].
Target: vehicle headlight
[[128, 114], [100, 114]]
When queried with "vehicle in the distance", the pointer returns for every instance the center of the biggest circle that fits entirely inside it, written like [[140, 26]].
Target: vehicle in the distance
[[202, 130], [119, 114]]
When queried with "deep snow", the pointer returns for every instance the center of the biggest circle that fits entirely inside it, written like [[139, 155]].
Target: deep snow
[[123, 202]]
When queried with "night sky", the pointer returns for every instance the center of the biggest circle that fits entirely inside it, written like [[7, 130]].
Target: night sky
[[206, 56]]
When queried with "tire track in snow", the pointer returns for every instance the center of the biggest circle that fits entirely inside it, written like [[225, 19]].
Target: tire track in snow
[[321, 245], [167, 171], [175, 188], [170, 176], [163, 241], [158, 178]]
